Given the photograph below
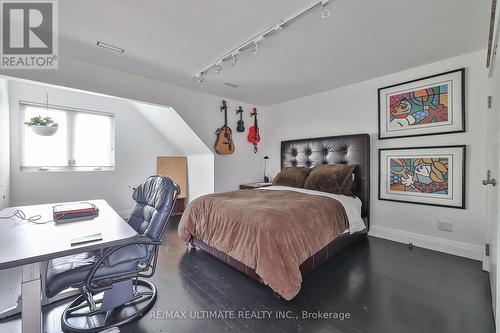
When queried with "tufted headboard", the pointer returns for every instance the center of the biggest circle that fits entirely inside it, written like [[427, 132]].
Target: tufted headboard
[[350, 149]]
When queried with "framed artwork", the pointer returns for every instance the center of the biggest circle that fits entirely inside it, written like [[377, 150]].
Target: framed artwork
[[427, 106], [429, 175]]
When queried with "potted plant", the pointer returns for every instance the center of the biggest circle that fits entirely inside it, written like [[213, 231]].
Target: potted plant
[[44, 126]]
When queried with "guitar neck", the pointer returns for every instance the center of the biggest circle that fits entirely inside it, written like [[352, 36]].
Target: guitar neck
[[224, 108]]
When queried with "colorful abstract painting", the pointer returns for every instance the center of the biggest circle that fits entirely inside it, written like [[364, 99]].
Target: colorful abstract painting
[[423, 175], [420, 175], [427, 106], [423, 106]]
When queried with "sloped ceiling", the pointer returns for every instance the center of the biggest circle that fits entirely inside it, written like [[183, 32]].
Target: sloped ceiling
[[362, 39], [173, 128]]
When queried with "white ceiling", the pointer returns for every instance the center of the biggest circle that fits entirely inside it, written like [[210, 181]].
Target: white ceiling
[[173, 128], [171, 40]]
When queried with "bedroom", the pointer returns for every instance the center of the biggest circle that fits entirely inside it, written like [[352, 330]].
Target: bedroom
[[385, 122]]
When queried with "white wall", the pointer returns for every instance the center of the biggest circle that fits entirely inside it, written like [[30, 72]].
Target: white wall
[[4, 145], [175, 130], [137, 144], [199, 110], [201, 175], [353, 109]]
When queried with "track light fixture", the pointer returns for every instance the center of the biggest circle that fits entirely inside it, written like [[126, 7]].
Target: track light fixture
[[324, 12], [255, 49], [200, 77], [234, 57], [218, 67], [256, 42], [253, 43], [278, 27]]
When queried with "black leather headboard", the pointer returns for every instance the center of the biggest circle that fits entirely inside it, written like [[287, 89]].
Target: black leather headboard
[[349, 149]]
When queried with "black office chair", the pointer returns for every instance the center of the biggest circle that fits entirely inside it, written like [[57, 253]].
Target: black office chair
[[111, 291]]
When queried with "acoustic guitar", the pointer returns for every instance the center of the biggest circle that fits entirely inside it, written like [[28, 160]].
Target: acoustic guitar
[[224, 144], [254, 132], [241, 123]]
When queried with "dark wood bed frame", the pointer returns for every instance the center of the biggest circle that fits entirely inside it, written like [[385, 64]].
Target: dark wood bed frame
[[349, 149]]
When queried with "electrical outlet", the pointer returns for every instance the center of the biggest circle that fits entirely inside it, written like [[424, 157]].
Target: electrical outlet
[[445, 225]]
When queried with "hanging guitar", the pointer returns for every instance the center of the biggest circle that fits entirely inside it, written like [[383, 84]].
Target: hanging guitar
[[241, 123], [224, 144], [254, 132]]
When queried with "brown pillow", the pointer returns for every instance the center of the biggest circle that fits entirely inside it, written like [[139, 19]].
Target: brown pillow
[[331, 178], [292, 176]]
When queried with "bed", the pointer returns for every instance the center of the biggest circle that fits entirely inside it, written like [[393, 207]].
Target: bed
[[278, 234]]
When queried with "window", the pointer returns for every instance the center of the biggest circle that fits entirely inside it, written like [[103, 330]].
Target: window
[[84, 140]]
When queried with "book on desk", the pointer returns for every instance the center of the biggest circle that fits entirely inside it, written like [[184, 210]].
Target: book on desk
[[74, 212]]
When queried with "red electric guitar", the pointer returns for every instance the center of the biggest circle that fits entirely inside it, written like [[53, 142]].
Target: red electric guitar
[[254, 133]]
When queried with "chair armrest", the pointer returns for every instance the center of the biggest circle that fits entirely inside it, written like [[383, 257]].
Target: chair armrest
[[113, 257]]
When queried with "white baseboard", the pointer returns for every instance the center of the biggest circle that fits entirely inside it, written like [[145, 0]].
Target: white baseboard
[[433, 243]]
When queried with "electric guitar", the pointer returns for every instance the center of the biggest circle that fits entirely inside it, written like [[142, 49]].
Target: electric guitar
[[254, 132], [224, 144], [241, 123]]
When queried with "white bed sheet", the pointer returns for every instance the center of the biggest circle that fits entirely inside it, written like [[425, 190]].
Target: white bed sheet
[[352, 205]]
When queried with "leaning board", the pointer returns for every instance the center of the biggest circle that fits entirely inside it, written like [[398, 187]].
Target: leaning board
[[174, 167]]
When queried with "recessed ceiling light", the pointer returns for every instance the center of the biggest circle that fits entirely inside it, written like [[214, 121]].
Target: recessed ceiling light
[[110, 47], [229, 84]]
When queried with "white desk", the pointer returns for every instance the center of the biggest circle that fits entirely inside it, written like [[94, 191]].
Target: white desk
[[26, 244]]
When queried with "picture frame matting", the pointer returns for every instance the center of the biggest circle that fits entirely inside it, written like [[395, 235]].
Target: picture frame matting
[[433, 175], [431, 105]]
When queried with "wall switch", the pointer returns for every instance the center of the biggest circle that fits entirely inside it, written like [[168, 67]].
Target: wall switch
[[445, 225]]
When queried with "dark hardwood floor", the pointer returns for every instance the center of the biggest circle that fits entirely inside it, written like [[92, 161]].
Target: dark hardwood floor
[[383, 285]]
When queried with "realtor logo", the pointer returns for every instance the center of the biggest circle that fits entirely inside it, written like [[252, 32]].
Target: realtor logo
[[29, 34]]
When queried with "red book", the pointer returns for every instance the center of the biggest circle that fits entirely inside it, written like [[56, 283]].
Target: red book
[[76, 210]]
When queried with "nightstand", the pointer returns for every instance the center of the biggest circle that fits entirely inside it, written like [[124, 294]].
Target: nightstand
[[251, 186]]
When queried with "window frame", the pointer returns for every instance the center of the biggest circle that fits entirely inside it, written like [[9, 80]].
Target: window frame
[[70, 137]]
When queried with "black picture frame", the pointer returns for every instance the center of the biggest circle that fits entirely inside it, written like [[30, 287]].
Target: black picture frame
[[462, 178], [462, 109]]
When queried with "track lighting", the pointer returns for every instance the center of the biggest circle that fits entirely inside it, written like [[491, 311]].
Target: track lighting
[[218, 67], [278, 26], [255, 48], [324, 12], [234, 57], [256, 42], [252, 44], [200, 77]]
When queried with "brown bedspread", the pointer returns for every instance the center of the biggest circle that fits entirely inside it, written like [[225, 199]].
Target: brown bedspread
[[270, 231]]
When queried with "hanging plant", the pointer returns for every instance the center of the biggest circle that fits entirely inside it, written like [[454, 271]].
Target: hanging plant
[[44, 126]]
